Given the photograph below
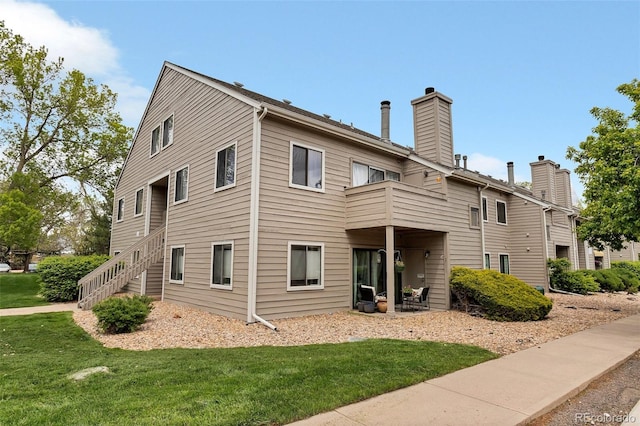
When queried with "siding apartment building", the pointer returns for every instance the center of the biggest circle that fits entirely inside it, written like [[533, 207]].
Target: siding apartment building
[[251, 208]]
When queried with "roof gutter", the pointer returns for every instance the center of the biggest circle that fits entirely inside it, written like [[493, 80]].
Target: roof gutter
[[254, 217]]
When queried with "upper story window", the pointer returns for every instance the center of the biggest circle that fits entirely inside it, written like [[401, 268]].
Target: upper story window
[[485, 210], [182, 185], [120, 212], [221, 265], [363, 174], [305, 266], [137, 210], [155, 141], [167, 132], [306, 167], [226, 167], [501, 210], [474, 217]]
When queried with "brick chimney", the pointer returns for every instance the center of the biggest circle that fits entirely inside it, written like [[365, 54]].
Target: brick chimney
[[432, 127]]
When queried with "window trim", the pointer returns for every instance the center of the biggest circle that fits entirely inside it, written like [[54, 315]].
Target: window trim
[[184, 256], [175, 186], [135, 205], [305, 287], [471, 215], [506, 221], [305, 187], [159, 129], [173, 127], [485, 209], [500, 255], [222, 286], [216, 188], [120, 210]]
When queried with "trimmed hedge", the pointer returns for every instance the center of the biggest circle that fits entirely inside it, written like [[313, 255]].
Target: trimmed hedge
[[122, 314], [502, 297], [629, 272], [607, 279], [60, 275], [561, 278]]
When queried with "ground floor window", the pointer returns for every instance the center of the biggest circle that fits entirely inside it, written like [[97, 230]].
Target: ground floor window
[[504, 263], [176, 273], [487, 261], [305, 269], [221, 264]]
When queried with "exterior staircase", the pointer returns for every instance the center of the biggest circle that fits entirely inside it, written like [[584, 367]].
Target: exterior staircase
[[114, 274]]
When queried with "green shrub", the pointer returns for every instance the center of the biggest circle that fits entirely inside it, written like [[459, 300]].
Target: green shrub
[[629, 272], [502, 297], [607, 279], [122, 314], [60, 275], [561, 278]]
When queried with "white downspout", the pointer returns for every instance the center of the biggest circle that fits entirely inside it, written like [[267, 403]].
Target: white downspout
[[254, 216], [546, 243]]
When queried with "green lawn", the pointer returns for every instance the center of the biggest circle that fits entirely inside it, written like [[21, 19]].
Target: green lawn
[[20, 290], [240, 386]]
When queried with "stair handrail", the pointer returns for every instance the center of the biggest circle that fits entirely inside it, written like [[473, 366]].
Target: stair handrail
[[114, 274]]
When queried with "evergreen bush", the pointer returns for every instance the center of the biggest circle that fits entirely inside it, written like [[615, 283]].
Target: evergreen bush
[[60, 275], [122, 314], [629, 272], [501, 297], [561, 278]]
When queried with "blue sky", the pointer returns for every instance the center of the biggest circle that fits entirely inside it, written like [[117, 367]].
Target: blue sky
[[522, 75]]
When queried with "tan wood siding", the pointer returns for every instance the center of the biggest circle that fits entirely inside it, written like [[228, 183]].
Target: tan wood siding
[[205, 120], [526, 242]]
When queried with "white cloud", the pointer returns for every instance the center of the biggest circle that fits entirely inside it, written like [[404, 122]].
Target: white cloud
[[491, 166], [82, 47]]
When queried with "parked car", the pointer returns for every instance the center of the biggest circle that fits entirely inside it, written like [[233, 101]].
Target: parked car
[[4, 267], [32, 267]]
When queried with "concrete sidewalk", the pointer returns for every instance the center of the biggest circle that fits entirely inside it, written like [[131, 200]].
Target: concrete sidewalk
[[56, 307], [511, 390]]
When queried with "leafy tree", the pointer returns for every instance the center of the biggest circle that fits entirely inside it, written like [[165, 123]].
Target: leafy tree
[[609, 167], [58, 131], [19, 223]]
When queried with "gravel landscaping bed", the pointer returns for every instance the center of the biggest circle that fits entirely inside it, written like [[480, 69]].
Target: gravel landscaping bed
[[172, 326]]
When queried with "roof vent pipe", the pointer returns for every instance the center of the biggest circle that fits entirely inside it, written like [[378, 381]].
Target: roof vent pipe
[[457, 157], [385, 110], [510, 173], [464, 159]]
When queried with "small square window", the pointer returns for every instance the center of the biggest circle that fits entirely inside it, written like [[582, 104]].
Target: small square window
[[182, 185], [222, 265], [167, 132], [120, 212], [139, 198], [176, 274], [307, 168], [155, 141], [501, 210], [226, 167], [305, 266]]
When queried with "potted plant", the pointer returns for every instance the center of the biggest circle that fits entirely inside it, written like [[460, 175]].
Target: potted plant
[[399, 266], [407, 291]]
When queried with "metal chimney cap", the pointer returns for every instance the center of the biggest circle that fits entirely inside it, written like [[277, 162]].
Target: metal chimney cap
[[385, 103], [540, 157], [429, 90], [510, 163]]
